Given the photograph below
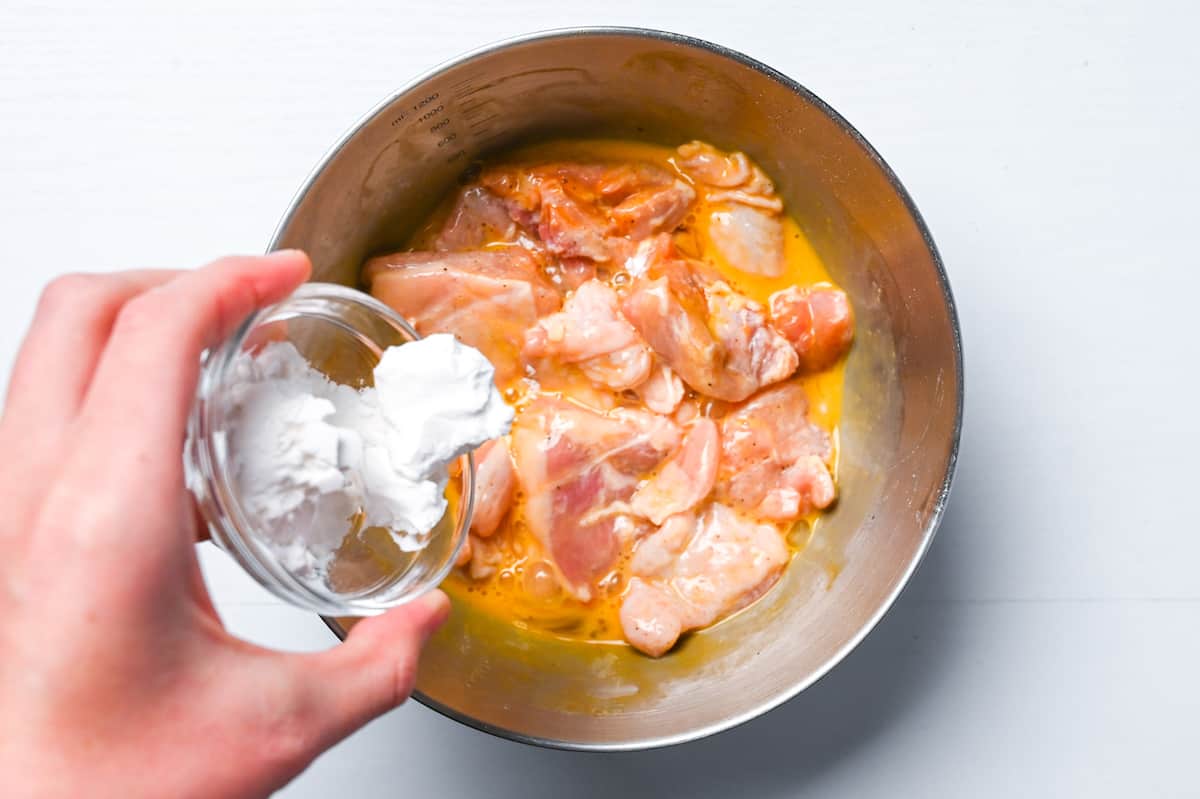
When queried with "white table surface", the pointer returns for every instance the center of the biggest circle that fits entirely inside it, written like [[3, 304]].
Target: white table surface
[[1050, 644]]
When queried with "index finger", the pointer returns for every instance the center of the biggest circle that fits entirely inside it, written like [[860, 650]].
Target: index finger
[[69, 331], [142, 392]]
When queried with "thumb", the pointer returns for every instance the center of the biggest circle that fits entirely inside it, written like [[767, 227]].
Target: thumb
[[374, 669]]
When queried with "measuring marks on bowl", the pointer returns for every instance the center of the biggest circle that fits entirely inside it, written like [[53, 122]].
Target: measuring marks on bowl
[[465, 117], [427, 116]]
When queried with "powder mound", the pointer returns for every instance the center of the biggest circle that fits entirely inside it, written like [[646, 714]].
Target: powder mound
[[310, 457]]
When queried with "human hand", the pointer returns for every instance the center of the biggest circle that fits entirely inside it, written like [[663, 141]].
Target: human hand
[[117, 677]]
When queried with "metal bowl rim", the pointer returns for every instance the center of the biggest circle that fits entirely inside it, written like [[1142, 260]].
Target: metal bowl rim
[[943, 494]]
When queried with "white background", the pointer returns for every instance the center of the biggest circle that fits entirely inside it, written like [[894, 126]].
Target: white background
[[1049, 645]]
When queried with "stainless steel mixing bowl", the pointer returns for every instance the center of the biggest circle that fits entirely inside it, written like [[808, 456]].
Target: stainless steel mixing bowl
[[903, 404]]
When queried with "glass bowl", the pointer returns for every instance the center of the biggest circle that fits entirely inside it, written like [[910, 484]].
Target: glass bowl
[[342, 333]]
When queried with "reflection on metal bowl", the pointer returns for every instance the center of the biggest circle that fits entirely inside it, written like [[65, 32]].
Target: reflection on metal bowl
[[903, 399]]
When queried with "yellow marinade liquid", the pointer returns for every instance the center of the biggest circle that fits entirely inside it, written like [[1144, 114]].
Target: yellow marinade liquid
[[506, 593]]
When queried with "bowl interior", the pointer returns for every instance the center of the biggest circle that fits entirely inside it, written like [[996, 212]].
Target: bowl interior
[[902, 399]]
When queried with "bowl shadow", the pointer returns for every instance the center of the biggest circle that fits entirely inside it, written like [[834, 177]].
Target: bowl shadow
[[792, 748], [781, 752]]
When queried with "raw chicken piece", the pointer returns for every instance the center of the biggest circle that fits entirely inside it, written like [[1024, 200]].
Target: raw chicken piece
[[487, 299], [616, 183], [752, 347], [687, 412], [486, 557], [730, 177], [591, 332], [649, 201], [592, 211], [745, 223], [749, 239], [685, 478], [650, 253], [651, 618], [818, 322], [727, 563], [773, 460], [656, 552], [709, 165], [495, 481], [671, 314], [477, 218], [518, 187], [652, 210], [567, 274], [577, 467], [662, 390], [717, 340], [626, 526], [571, 227]]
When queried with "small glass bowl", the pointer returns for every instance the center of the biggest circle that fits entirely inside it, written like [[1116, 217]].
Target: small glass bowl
[[342, 333]]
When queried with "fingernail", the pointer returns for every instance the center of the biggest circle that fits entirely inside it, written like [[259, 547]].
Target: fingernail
[[298, 258], [285, 253]]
